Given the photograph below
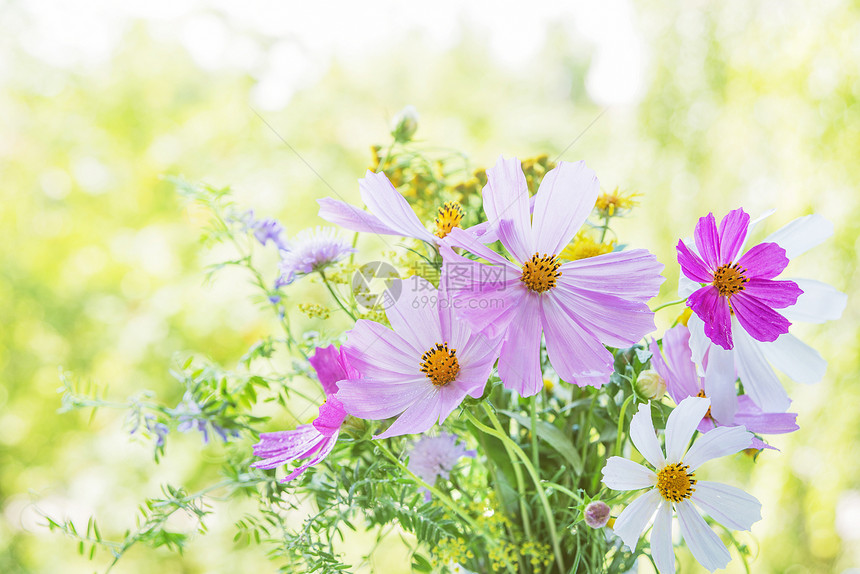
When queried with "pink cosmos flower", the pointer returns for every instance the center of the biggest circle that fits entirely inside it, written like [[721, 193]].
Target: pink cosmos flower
[[390, 214], [673, 485], [754, 360], [675, 365], [578, 306], [316, 440], [420, 370], [741, 286]]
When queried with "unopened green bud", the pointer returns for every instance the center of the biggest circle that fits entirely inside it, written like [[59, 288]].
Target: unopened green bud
[[650, 385], [404, 125]]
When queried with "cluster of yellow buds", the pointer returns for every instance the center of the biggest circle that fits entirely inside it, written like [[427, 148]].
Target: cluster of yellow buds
[[539, 555], [534, 169], [615, 203], [583, 247], [451, 550], [314, 311]]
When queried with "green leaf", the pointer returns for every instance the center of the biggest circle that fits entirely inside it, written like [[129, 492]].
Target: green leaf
[[553, 437]]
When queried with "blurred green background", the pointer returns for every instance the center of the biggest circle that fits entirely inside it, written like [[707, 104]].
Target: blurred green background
[[704, 107]]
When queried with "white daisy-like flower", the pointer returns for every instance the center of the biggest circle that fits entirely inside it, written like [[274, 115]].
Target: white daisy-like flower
[[754, 361], [672, 486]]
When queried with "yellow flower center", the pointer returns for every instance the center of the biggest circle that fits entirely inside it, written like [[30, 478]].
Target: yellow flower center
[[448, 217], [440, 364], [541, 273], [675, 483], [729, 279], [701, 394]]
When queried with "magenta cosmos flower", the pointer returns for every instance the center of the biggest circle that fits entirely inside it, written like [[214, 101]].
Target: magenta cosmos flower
[[312, 441], [420, 370], [741, 286], [675, 365], [391, 214], [578, 306]]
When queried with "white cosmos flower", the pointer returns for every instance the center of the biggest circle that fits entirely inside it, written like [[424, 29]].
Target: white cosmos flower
[[672, 485], [752, 360]]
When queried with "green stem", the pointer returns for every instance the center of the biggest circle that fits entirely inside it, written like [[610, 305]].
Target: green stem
[[334, 295], [535, 458], [618, 437], [605, 228], [667, 305], [499, 433]]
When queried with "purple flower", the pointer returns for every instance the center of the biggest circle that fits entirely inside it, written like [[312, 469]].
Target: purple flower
[[270, 230], [675, 365], [435, 456], [420, 370], [312, 441], [578, 306], [753, 360], [391, 214], [741, 286], [312, 250], [192, 416]]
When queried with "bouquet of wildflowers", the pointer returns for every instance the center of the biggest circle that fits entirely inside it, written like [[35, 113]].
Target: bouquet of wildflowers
[[500, 397]]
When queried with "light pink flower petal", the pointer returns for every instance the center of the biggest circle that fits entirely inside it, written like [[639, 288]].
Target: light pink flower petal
[[796, 359], [564, 200], [453, 329], [391, 208], [414, 315], [644, 436], [519, 363], [460, 238], [633, 519], [730, 506], [760, 382], [622, 474], [325, 449], [506, 198], [418, 418], [757, 318], [765, 261], [704, 544], [818, 303], [574, 352], [722, 441], [708, 240], [610, 319], [733, 233], [352, 218], [713, 310], [661, 539], [681, 424], [377, 352], [692, 265], [375, 400], [633, 274], [802, 234], [753, 419], [677, 369], [282, 446]]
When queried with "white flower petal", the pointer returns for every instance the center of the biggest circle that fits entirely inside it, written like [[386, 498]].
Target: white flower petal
[[633, 519], [722, 441], [681, 424], [622, 474], [795, 358], [818, 303], [760, 382], [699, 342], [686, 286], [704, 544], [753, 224], [645, 437], [661, 540], [720, 385], [801, 235], [730, 506]]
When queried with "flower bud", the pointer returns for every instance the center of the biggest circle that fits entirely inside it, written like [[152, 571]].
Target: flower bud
[[404, 125], [650, 385], [597, 514]]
